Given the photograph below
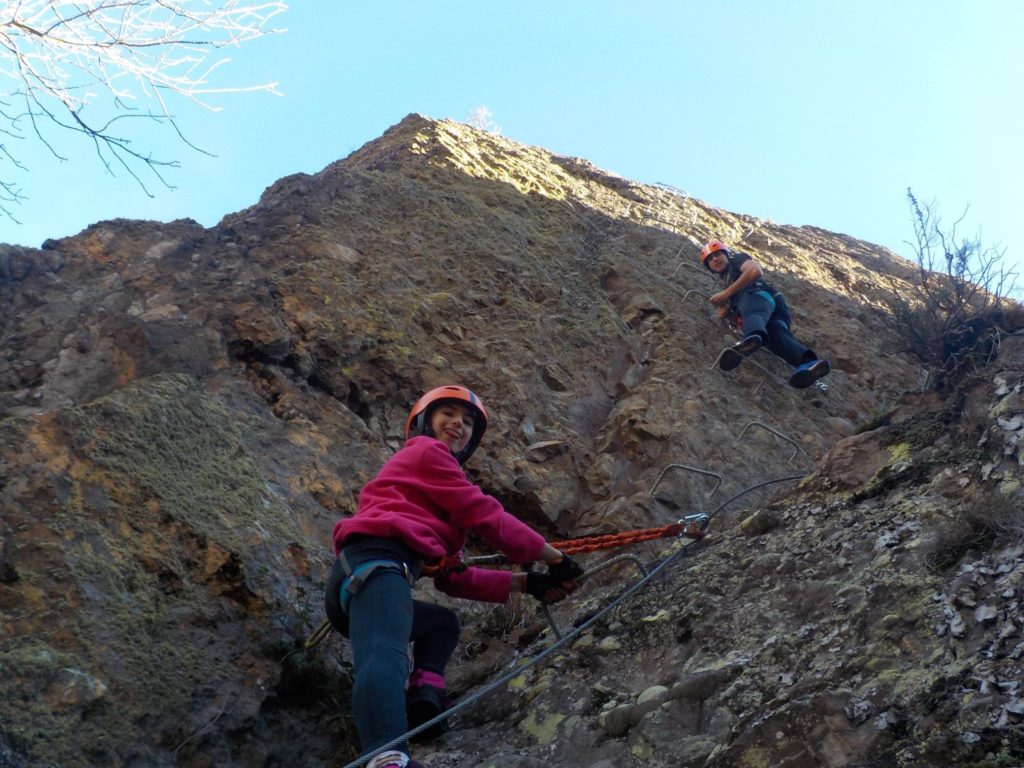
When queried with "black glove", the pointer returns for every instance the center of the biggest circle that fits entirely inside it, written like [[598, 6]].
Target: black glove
[[565, 570], [543, 587]]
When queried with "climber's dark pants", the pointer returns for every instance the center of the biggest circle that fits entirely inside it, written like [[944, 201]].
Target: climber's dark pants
[[769, 318], [380, 623], [382, 620]]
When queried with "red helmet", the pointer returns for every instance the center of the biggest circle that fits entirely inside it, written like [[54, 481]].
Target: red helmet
[[418, 422], [711, 247]]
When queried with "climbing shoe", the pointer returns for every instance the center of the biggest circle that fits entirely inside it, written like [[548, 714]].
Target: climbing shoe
[[423, 703], [732, 356], [729, 359], [749, 345], [393, 759], [808, 373]]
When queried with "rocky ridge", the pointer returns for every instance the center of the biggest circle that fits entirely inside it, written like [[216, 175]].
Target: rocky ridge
[[184, 412]]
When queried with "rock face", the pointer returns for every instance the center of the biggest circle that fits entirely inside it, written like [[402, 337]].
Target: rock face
[[185, 412]]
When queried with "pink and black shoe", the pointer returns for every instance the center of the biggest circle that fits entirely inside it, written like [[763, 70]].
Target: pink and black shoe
[[425, 699], [424, 703], [393, 759]]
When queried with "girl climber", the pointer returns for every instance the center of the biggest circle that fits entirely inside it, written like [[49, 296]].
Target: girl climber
[[418, 508], [763, 312]]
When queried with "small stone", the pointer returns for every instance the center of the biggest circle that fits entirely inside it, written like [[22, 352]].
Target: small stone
[[616, 722], [883, 721], [661, 615], [8, 573], [585, 641], [544, 450], [957, 626], [840, 426], [652, 693], [759, 523], [858, 712], [1011, 425], [985, 614], [74, 688], [888, 539], [965, 599], [1015, 707]]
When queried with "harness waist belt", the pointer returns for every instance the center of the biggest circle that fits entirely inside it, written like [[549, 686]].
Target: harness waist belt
[[767, 295], [356, 577]]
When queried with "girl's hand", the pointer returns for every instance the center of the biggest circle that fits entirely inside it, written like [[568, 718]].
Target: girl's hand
[[565, 570], [550, 555], [544, 588]]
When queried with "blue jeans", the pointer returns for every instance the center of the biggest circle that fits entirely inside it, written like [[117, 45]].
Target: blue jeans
[[768, 317], [382, 620], [380, 625]]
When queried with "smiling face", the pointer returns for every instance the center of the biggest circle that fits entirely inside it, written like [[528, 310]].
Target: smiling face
[[717, 261], [452, 424]]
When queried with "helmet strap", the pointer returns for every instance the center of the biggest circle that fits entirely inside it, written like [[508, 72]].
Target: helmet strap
[[421, 424]]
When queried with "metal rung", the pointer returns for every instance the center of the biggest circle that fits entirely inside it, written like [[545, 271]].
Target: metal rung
[[767, 373], [687, 468], [684, 265], [699, 293], [775, 432]]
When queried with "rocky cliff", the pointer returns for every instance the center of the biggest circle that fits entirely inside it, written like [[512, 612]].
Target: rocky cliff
[[185, 412]]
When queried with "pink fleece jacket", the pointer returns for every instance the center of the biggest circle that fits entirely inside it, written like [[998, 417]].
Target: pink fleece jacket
[[422, 496]]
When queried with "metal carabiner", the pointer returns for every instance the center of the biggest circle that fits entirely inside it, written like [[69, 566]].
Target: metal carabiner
[[696, 523]]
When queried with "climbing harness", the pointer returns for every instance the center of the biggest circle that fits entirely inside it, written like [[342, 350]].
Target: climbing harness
[[354, 580], [562, 641], [691, 527], [504, 679], [356, 577], [735, 327]]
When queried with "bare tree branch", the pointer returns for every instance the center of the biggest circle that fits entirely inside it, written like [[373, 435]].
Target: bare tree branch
[[952, 317], [86, 67]]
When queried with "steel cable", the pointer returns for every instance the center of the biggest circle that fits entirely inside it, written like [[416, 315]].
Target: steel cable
[[562, 642]]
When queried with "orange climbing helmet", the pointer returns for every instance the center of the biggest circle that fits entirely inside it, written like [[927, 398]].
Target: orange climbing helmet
[[710, 248], [418, 422]]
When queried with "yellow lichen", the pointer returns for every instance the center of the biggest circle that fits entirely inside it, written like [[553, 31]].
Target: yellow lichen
[[543, 730]]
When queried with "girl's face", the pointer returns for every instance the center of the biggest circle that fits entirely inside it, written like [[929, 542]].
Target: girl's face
[[452, 424]]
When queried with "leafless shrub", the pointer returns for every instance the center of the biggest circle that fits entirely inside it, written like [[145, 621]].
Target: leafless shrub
[[480, 117], [502, 620], [956, 311], [986, 520]]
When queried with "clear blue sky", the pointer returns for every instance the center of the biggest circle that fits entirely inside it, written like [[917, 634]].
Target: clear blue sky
[[819, 113]]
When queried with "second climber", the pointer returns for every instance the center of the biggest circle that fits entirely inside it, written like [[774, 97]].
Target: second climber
[[763, 313]]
